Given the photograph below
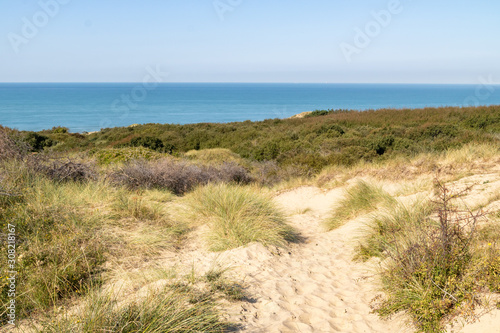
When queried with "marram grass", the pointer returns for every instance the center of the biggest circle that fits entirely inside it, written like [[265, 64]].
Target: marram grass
[[170, 309], [237, 216], [397, 225], [359, 199]]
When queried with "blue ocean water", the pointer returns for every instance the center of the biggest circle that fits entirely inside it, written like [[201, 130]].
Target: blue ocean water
[[92, 106]]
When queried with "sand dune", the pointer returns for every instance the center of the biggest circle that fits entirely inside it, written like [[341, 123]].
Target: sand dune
[[315, 286], [312, 286]]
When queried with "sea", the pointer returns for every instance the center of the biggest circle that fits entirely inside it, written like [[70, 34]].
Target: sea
[[87, 107]]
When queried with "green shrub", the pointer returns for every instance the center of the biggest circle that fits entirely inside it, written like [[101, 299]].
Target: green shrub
[[59, 129], [352, 155], [341, 137], [148, 142], [122, 155], [317, 113], [331, 130], [381, 144], [435, 271], [37, 142], [268, 150]]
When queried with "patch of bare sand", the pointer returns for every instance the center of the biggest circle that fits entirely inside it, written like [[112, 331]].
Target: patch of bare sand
[[300, 115], [489, 323], [314, 286]]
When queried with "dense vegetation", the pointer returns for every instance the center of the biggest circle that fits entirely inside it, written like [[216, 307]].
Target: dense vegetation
[[336, 137]]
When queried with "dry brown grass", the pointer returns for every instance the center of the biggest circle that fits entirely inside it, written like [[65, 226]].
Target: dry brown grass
[[449, 165]]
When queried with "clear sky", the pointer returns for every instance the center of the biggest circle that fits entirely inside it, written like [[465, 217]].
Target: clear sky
[[420, 41]]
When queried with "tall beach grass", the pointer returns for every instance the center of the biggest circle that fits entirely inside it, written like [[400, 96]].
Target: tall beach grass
[[237, 216]]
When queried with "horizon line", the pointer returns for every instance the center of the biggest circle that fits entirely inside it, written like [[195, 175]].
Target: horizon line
[[238, 82]]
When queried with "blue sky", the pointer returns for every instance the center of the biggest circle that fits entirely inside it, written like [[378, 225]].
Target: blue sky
[[421, 41]]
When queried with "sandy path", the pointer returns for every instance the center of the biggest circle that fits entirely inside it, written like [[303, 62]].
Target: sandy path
[[315, 286], [312, 286]]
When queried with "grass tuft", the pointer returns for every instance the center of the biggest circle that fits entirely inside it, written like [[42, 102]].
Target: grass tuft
[[237, 216], [398, 223], [360, 199]]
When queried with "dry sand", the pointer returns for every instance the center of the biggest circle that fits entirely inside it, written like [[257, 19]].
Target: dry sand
[[301, 115], [314, 286]]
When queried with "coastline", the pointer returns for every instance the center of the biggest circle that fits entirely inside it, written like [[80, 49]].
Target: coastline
[[90, 107]]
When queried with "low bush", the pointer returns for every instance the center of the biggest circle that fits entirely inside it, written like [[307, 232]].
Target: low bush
[[176, 176], [62, 170], [237, 216], [152, 143], [231, 173], [59, 130], [268, 173], [440, 270], [316, 113], [11, 145]]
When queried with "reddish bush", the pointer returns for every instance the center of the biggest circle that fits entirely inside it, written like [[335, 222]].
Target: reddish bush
[[177, 176]]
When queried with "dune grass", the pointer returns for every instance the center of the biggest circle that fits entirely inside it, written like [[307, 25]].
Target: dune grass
[[237, 216], [359, 199], [59, 246], [470, 153], [421, 167], [169, 309], [396, 225], [67, 230], [73, 227], [167, 301]]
